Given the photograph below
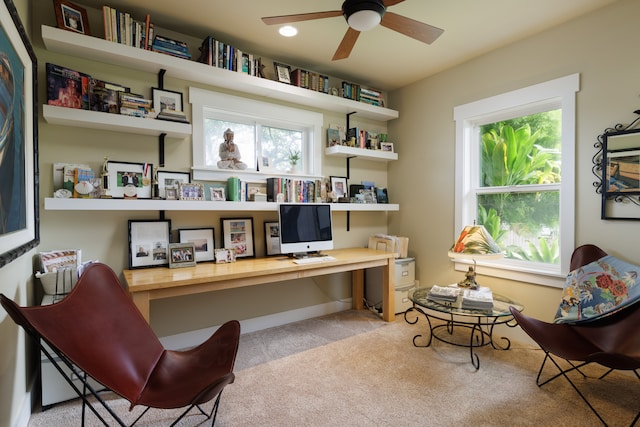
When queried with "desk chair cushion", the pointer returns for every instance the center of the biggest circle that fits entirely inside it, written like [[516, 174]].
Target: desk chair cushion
[[598, 289]]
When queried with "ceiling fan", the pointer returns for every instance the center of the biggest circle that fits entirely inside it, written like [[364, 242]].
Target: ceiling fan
[[363, 15]]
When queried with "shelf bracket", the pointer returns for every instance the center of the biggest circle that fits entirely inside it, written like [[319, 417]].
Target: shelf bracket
[[348, 220], [161, 139], [161, 74]]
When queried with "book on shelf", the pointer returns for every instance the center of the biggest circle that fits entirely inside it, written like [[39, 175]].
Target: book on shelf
[[443, 293], [66, 87], [122, 28]]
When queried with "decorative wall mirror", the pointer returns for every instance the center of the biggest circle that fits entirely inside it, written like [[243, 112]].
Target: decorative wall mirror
[[617, 166]]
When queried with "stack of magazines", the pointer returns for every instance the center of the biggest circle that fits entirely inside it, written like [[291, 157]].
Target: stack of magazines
[[481, 299], [443, 294]]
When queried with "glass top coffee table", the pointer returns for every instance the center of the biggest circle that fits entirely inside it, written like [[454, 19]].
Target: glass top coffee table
[[479, 323]]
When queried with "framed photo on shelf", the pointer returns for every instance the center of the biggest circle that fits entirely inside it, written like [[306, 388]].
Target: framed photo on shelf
[[272, 237], [217, 194], [168, 179], [124, 177], [149, 243], [181, 255], [339, 186], [386, 146], [19, 210], [71, 17], [166, 100], [237, 234], [203, 242], [171, 194], [190, 191], [283, 72]]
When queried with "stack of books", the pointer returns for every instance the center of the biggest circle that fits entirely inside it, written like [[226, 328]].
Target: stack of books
[[173, 116], [443, 294], [135, 105], [480, 299], [371, 96], [170, 47]]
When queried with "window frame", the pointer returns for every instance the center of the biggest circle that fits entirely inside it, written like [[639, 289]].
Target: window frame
[[558, 93], [266, 114]]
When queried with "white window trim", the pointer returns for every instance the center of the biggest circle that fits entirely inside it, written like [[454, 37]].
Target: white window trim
[[245, 107], [562, 91]]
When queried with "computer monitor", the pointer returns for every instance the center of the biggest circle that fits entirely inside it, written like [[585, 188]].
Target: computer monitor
[[305, 228]]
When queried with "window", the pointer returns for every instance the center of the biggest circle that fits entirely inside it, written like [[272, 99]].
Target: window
[[271, 139], [515, 175]]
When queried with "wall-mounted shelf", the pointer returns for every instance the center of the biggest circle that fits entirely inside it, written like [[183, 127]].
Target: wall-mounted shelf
[[99, 50], [376, 155], [57, 204], [114, 122]]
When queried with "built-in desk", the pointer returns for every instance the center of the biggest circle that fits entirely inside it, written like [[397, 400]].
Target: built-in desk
[[157, 283]]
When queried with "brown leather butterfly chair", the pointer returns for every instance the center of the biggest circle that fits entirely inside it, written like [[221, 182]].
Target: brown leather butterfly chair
[[98, 329], [612, 341]]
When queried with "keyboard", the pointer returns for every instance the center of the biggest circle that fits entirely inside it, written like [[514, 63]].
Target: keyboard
[[314, 259]]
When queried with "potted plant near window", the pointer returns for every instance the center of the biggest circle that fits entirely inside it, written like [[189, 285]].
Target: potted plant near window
[[294, 157]]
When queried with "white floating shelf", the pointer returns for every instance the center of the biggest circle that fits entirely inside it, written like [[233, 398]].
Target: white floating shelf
[[114, 122], [100, 50], [57, 204], [344, 151]]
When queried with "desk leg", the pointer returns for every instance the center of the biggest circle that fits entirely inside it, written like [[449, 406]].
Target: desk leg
[[389, 291], [357, 289], [141, 300]]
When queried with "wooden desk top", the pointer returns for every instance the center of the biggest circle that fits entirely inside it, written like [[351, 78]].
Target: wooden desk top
[[280, 268]]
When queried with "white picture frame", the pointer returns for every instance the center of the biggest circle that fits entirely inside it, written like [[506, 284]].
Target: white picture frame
[[169, 179], [124, 174]]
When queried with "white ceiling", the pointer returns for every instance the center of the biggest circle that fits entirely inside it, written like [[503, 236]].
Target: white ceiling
[[381, 57]]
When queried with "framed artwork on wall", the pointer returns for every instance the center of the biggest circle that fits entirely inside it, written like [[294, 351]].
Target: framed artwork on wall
[[19, 209], [237, 234], [202, 239], [149, 243]]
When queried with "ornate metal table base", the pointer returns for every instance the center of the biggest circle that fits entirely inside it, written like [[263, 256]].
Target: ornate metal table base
[[480, 326]]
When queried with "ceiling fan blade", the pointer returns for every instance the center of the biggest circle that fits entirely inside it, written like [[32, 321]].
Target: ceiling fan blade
[[287, 19], [346, 45], [388, 3], [409, 27]]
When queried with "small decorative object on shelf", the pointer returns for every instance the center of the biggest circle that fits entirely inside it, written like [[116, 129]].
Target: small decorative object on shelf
[[230, 153], [294, 157], [190, 191]]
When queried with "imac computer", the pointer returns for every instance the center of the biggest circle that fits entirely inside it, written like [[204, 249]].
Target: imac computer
[[305, 229]]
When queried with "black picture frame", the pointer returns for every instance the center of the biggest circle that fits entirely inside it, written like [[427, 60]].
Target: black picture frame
[[19, 216], [283, 72], [272, 238], [149, 243], [237, 234], [202, 239]]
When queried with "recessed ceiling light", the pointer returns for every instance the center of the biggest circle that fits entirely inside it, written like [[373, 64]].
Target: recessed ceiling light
[[288, 31]]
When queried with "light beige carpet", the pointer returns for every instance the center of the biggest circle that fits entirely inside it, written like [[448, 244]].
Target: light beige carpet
[[378, 378]]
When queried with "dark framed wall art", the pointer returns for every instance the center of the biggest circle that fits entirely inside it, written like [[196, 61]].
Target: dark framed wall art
[[19, 210]]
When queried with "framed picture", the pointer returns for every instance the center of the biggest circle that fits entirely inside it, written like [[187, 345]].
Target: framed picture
[[283, 72], [237, 234], [166, 100], [224, 256], [129, 180], [386, 146], [217, 194], [149, 243], [171, 194], [202, 239], [272, 237], [181, 255], [167, 179], [190, 191], [71, 17], [339, 186], [19, 209]]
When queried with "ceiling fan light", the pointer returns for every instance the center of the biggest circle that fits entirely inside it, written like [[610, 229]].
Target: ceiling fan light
[[364, 20], [363, 15]]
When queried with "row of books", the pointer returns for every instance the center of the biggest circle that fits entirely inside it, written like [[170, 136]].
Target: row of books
[[358, 93], [223, 55], [135, 105], [120, 27], [73, 89], [295, 190], [80, 181], [310, 80]]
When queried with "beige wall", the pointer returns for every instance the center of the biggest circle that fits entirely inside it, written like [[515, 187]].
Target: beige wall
[[600, 47]]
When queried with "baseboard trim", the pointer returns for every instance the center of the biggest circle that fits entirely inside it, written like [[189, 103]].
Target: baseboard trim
[[192, 338]]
